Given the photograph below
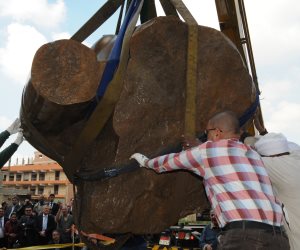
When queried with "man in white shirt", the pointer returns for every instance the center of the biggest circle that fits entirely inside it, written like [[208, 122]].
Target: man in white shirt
[[45, 224], [282, 161]]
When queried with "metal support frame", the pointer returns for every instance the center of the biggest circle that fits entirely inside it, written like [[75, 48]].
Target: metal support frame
[[233, 23]]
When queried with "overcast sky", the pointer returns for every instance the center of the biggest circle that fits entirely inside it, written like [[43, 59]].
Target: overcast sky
[[274, 29]]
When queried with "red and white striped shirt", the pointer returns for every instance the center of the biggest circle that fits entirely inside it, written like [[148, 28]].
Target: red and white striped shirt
[[235, 180]]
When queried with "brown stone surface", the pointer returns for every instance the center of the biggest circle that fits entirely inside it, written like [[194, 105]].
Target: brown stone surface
[[65, 72], [149, 118], [64, 77]]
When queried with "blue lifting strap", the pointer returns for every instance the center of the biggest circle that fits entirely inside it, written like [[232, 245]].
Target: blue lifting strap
[[249, 111], [114, 57]]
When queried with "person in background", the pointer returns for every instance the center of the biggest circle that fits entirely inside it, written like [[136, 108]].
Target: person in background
[[209, 237], [12, 231], [4, 205], [3, 221], [56, 239], [45, 224], [28, 235], [7, 153], [38, 207], [64, 222], [282, 161], [25, 204], [13, 208], [53, 205], [236, 183], [70, 206]]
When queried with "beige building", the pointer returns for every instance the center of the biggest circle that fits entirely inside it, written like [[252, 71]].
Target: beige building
[[41, 176]]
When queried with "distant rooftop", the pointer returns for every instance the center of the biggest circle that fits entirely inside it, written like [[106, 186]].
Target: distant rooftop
[[40, 158]]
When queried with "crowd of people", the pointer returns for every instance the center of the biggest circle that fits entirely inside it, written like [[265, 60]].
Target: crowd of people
[[28, 223]]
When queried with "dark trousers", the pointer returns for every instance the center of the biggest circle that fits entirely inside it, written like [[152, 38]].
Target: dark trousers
[[3, 242], [252, 238], [43, 240]]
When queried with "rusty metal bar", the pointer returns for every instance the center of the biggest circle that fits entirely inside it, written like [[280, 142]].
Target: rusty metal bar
[[228, 22], [248, 42], [120, 18], [148, 11], [105, 12], [259, 115], [168, 8]]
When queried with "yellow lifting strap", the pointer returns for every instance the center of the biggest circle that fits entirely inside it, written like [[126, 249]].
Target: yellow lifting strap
[[191, 82], [106, 105], [192, 67]]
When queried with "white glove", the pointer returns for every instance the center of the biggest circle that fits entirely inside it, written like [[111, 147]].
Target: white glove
[[14, 127], [141, 159], [19, 138]]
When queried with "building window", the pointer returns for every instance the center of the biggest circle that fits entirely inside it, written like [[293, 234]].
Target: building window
[[42, 176], [26, 177], [18, 177], [11, 177], [32, 190], [41, 190], [56, 187], [4, 177], [33, 176], [57, 174]]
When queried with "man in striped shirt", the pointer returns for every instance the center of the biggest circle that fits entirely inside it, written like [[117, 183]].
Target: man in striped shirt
[[236, 183]]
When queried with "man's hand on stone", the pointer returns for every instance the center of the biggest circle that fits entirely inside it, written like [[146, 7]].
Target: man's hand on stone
[[141, 159]]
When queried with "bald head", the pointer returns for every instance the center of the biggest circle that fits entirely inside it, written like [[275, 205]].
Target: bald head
[[225, 124], [227, 121]]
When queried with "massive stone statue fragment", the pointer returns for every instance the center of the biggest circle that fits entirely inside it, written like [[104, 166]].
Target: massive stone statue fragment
[[148, 118]]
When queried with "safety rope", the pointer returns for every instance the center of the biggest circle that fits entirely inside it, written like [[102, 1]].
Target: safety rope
[[116, 170]]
